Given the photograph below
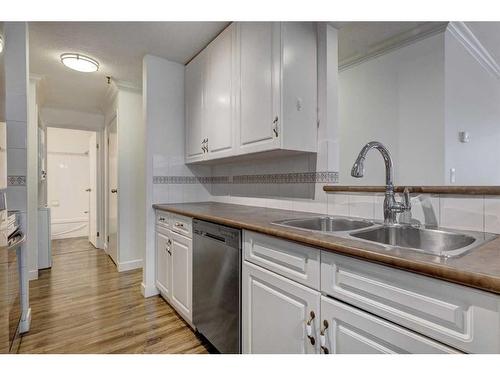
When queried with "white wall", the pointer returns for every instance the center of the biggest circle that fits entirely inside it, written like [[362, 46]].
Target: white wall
[[397, 99], [67, 178], [163, 116], [472, 97]]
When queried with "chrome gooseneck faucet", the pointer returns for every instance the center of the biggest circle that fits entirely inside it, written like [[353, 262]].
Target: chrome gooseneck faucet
[[391, 206]]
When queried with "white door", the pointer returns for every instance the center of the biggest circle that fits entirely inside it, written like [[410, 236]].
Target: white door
[[274, 313], [259, 86], [219, 94], [113, 192], [194, 95], [181, 266], [163, 264], [92, 190], [352, 331]]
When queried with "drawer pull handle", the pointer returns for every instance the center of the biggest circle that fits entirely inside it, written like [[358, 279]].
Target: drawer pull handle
[[322, 338], [311, 338], [179, 225], [162, 219]]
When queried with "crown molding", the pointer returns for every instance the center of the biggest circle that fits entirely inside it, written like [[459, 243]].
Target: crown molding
[[466, 37], [399, 41]]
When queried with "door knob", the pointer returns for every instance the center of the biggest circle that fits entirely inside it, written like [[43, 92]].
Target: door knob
[[114, 191]]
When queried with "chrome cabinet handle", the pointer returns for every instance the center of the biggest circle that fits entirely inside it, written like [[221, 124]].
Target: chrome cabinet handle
[[322, 337], [311, 338], [114, 191], [169, 242], [179, 225], [88, 190], [169, 252], [275, 128], [161, 219]]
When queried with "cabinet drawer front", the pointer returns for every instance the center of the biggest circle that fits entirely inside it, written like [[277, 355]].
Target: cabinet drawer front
[[353, 331], [297, 262], [182, 225], [274, 314], [455, 315], [163, 219]]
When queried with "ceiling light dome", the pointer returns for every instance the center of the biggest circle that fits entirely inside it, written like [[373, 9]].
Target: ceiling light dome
[[79, 62]]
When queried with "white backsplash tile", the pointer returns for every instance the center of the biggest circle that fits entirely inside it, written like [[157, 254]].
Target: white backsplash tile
[[492, 214], [338, 204], [466, 213], [425, 208], [361, 205], [378, 209]]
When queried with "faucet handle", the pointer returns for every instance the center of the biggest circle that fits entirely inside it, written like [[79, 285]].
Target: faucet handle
[[407, 198]]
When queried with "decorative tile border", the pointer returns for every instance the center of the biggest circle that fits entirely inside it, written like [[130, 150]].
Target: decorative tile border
[[16, 180], [277, 178]]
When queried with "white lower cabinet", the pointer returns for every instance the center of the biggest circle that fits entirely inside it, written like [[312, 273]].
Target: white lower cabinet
[[348, 330], [359, 307], [174, 262], [163, 263], [275, 311], [182, 275]]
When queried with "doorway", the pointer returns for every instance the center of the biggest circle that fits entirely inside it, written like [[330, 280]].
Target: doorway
[[72, 184]]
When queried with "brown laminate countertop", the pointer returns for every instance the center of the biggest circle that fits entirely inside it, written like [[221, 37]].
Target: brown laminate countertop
[[479, 268]]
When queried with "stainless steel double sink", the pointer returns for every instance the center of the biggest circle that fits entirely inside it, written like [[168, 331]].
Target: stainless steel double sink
[[431, 240]]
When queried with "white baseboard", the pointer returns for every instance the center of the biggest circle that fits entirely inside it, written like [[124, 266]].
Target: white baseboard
[[24, 324], [130, 265], [149, 291], [33, 275]]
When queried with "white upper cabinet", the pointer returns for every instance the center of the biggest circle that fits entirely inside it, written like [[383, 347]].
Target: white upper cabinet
[[259, 86], [194, 98], [220, 94], [253, 89]]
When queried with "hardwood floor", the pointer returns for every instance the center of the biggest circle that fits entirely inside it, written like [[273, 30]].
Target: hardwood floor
[[83, 305]]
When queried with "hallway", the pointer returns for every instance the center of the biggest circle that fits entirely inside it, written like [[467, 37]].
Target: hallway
[[83, 305]]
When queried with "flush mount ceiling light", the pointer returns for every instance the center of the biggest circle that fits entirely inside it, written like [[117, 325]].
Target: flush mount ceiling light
[[79, 62]]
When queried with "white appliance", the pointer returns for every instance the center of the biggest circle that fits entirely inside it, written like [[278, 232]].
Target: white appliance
[[3, 156], [44, 239]]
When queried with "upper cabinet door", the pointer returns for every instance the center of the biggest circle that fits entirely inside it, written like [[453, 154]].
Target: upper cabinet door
[[259, 44], [194, 96], [219, 90]]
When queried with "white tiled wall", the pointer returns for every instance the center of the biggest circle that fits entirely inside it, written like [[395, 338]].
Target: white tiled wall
[[477, 213]]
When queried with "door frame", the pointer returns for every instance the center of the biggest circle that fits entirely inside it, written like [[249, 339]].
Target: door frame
[[105, 184]]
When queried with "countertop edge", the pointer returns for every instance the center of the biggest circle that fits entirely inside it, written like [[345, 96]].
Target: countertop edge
[[442, 272]]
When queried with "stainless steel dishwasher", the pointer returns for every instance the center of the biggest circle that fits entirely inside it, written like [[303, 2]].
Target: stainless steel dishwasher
[[217, 285]]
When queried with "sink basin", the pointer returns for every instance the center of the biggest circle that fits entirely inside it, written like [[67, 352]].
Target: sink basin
[[326, 223], [431, 241]]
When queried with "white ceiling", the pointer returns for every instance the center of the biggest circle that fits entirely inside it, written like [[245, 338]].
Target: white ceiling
[[118, 46], [360, 39], [488, 34]]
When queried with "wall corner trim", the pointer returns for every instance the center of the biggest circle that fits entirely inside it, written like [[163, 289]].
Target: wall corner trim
[[149, 290], [129, 265], [472, 45]]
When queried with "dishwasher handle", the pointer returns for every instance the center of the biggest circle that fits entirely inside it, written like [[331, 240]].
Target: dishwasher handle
[[213, 236]]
